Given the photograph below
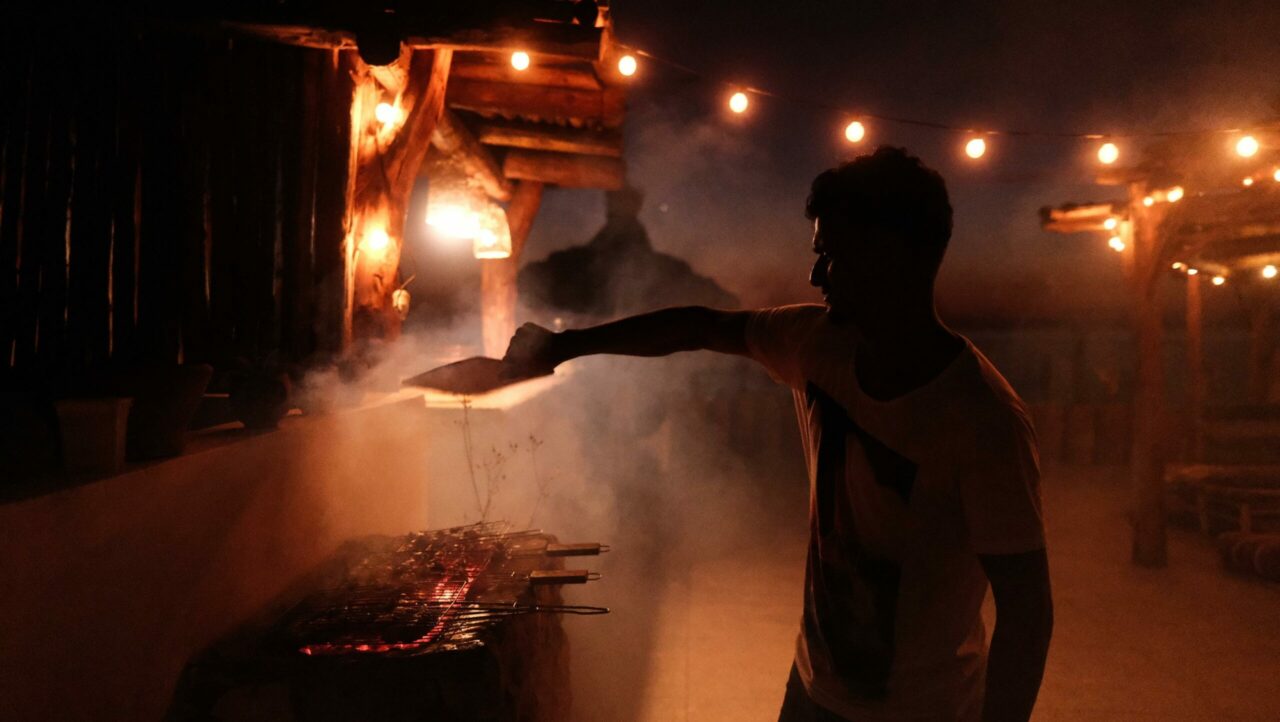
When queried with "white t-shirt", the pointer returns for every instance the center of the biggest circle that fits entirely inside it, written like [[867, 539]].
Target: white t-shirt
[[899, 512]]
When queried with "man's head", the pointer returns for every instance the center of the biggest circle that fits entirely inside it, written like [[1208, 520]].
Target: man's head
[[881, 226]]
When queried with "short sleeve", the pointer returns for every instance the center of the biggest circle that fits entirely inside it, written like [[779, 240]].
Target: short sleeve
[[776, 339], [1000, 487]]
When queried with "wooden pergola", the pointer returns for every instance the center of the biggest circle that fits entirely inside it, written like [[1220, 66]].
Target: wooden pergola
[[1196, 209], [448, 75]]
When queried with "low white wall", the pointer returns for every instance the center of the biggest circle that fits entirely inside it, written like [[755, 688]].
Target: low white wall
[[109, 588]]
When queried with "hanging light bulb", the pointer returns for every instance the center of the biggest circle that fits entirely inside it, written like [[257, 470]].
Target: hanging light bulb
[[1111, 223], [1247, 146], [520, 60], [1116, 243], [1108, 153], [386, 113], [855, 131], [1268, 271], [627, 65], [1219, 280], [1192, 271], [1179, 265], [975, 148], [738, 102], [1276, 175], [1174, 194], [1248, 181], [1148, 201]]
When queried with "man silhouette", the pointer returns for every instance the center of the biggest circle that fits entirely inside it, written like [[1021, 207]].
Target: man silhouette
[[924, 478]]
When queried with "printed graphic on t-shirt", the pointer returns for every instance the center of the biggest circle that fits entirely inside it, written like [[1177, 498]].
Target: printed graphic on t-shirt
[[851, 597]]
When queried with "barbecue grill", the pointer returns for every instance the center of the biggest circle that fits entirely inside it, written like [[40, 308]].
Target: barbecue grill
[[449, 624]]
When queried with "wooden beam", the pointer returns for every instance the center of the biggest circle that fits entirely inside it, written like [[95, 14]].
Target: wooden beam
[[565, 170], [603, 108], [498, 292], [578, 76], [1079, 217], [551, 138], [555, 41], [452, 137], [1196, 385]]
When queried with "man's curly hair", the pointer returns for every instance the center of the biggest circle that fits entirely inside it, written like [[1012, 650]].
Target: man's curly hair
[[888, 189]]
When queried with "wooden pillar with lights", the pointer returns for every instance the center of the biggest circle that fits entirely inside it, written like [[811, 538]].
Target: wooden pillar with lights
[[498, 275], [1147, 455], [394, 111], [1196, 386]]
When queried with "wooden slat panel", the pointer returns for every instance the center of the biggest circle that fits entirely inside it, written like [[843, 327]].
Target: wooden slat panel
[[582, 76], [15, 85], [88, 309], [331, 188]]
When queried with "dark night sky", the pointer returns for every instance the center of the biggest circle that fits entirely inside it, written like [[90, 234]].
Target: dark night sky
[[727, 192]]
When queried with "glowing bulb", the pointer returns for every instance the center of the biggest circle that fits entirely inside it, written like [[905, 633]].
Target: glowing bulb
[[855, 132], [1268, 271], [1276, 175], [627, 65], [520, 60], [1148, 201], [1174, 194], [1108, 153], [1192, 271], [1247, 146], [738, 102], [1247, 182], [1178, 265], [386, 113], [1219, 280], [376, 241], [1110, 224], [975, 148], [1116, 244]]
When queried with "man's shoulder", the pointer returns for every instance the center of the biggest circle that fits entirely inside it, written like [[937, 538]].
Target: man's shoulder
[[987, 397]]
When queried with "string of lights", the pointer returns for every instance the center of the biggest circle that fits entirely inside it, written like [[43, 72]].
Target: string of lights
[[975, 140]]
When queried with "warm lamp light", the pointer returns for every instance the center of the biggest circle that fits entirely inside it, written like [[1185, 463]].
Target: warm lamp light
[[975, 148], [1247, 146], [1111, 223], [1148, 201], [376, 241], [627, 65], [1248, 181], [520, 60], [1174, 194], [386, 113], [493, 234], [1192, 271], [1276, 175], [1219, 280], [855, 132], [1108, 153], [738, 102], [1178, 265], [1268, 271], [1116, 244]]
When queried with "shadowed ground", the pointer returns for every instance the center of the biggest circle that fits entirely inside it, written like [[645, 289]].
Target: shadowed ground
[[1189, 642]]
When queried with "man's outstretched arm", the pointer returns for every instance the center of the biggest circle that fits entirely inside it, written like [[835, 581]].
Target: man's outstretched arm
[[1020, 642], [659, 333]]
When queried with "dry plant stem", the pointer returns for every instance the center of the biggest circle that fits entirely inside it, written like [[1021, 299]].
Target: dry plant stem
[[538, 482], [470, 456]]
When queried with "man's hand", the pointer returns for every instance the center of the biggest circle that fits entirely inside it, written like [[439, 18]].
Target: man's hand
[[532, 351], [1024, 626]]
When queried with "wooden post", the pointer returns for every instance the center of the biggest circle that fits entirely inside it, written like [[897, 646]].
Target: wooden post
[[498, 292], [1259, 351], [386, 157], [1147, 458], [1195, 365]]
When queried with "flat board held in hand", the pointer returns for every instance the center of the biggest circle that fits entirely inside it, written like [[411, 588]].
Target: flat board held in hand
[[475, 375]]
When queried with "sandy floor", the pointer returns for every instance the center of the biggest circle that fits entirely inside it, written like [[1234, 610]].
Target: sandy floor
[[1188, 642]]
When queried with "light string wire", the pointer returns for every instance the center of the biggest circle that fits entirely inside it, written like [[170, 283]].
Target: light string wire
[[916, 122]]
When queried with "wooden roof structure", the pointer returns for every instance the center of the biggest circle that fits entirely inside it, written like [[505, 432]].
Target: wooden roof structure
[[556, 123], [1193, 206]]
